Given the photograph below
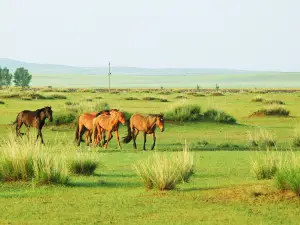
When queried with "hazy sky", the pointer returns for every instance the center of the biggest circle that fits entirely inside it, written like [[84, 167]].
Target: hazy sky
[[237, 34]]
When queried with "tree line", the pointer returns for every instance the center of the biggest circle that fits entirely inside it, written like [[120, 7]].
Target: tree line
[[20, 78]]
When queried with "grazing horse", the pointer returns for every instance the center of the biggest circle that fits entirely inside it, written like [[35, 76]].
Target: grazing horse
[[146, 124], [33, 119], [109, 123], [85, 124]]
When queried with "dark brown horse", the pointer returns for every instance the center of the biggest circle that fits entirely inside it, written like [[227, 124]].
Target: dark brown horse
[[85, 124], [145, 124], [109, 123], [33, 119]]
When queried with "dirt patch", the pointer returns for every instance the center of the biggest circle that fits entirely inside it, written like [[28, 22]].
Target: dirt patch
[[257, 114], [251, 194]]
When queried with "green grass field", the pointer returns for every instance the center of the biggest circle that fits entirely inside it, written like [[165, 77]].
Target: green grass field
[[223, 189]]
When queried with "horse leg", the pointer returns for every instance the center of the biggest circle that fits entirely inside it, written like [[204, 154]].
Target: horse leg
[[108, 138], [18, 127], [145, 135], [154, 140], [134, 135], [80, 133], [87, 135], [41, 135], [118, 140]]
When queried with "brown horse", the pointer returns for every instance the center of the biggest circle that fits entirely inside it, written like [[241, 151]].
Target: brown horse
[[33, 119], [85, 124], [109, 123], [146, 124]]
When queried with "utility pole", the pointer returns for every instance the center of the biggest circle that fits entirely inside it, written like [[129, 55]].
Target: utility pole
[[109, 74]]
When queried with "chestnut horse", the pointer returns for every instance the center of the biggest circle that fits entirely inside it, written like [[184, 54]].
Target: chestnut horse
[[85, 124], [109, 123], [33, 119], [145, 124]]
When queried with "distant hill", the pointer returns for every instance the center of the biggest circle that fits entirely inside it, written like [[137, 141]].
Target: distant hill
[[36, 68]]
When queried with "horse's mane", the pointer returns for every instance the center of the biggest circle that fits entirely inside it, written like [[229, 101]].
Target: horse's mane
[[156, 115], [41, 110], [99, 113]]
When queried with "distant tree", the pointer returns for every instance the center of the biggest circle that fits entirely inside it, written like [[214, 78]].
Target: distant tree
[[198, 87], [22, 77], [6, 77], [217, 87]]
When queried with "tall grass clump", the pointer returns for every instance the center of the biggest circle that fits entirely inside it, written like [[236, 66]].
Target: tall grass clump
[[288, 174], [84, 106], [184, 113], [84, 164], [272, 101], [58, 96], [24, 160], [273, 110], [218, 116], [261, 138], [296, 139], [2, 102], [265, 166], [258, 98], [164, 171]]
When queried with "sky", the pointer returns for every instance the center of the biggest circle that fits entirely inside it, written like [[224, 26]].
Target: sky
[[233, 34]]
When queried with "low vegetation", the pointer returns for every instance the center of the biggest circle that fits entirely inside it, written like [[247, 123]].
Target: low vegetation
[[131, 98], [84, 164], [272, 101], [296, 139], [219, 116], [261, 138], [217, 94], [258, 99], [273, 110], [154, 99], [2, 102], [185, 113], [164, 171], [288, 174], [265, 166], [24, 160]]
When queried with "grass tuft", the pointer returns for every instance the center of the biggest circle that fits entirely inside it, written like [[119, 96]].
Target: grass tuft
[[164, 172], [84, 165], [24, 160], [218, 116], [265, 166]]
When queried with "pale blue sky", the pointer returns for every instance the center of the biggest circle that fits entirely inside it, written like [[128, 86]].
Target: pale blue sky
[[236, 34]]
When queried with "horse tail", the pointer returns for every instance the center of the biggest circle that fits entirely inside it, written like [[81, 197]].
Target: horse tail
[[128, 138], [77, 132]]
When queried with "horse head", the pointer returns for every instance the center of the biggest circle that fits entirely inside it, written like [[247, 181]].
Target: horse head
[[160, 122], [48, 112]]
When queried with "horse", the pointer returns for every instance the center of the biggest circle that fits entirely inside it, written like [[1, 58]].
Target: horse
[[33, 119], [85, 124], [109, 123], [145, 124]]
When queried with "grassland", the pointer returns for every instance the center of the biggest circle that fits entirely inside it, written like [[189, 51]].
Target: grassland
[[223, 189]]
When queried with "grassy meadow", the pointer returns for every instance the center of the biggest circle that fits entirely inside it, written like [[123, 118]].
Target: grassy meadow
[[222, 190]]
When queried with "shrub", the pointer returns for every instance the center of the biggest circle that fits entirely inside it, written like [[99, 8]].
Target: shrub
[[218, 116], [71, 103], [163, 100], [164, 172], [184, 113], [83, 165], [149, 98], [11, 95], [131, 98], [287, 176], [83, 107], [98, 97], [165, 92], [296, 140], [2, 102], [34, 95], [89, 100], [203, 143], [22, 159], [265, 167], [181, 97], [217, 94], [278, 102], [58, 96], [274, 110], [114, 92], [60, 119], [257, 99], [195, 94]]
